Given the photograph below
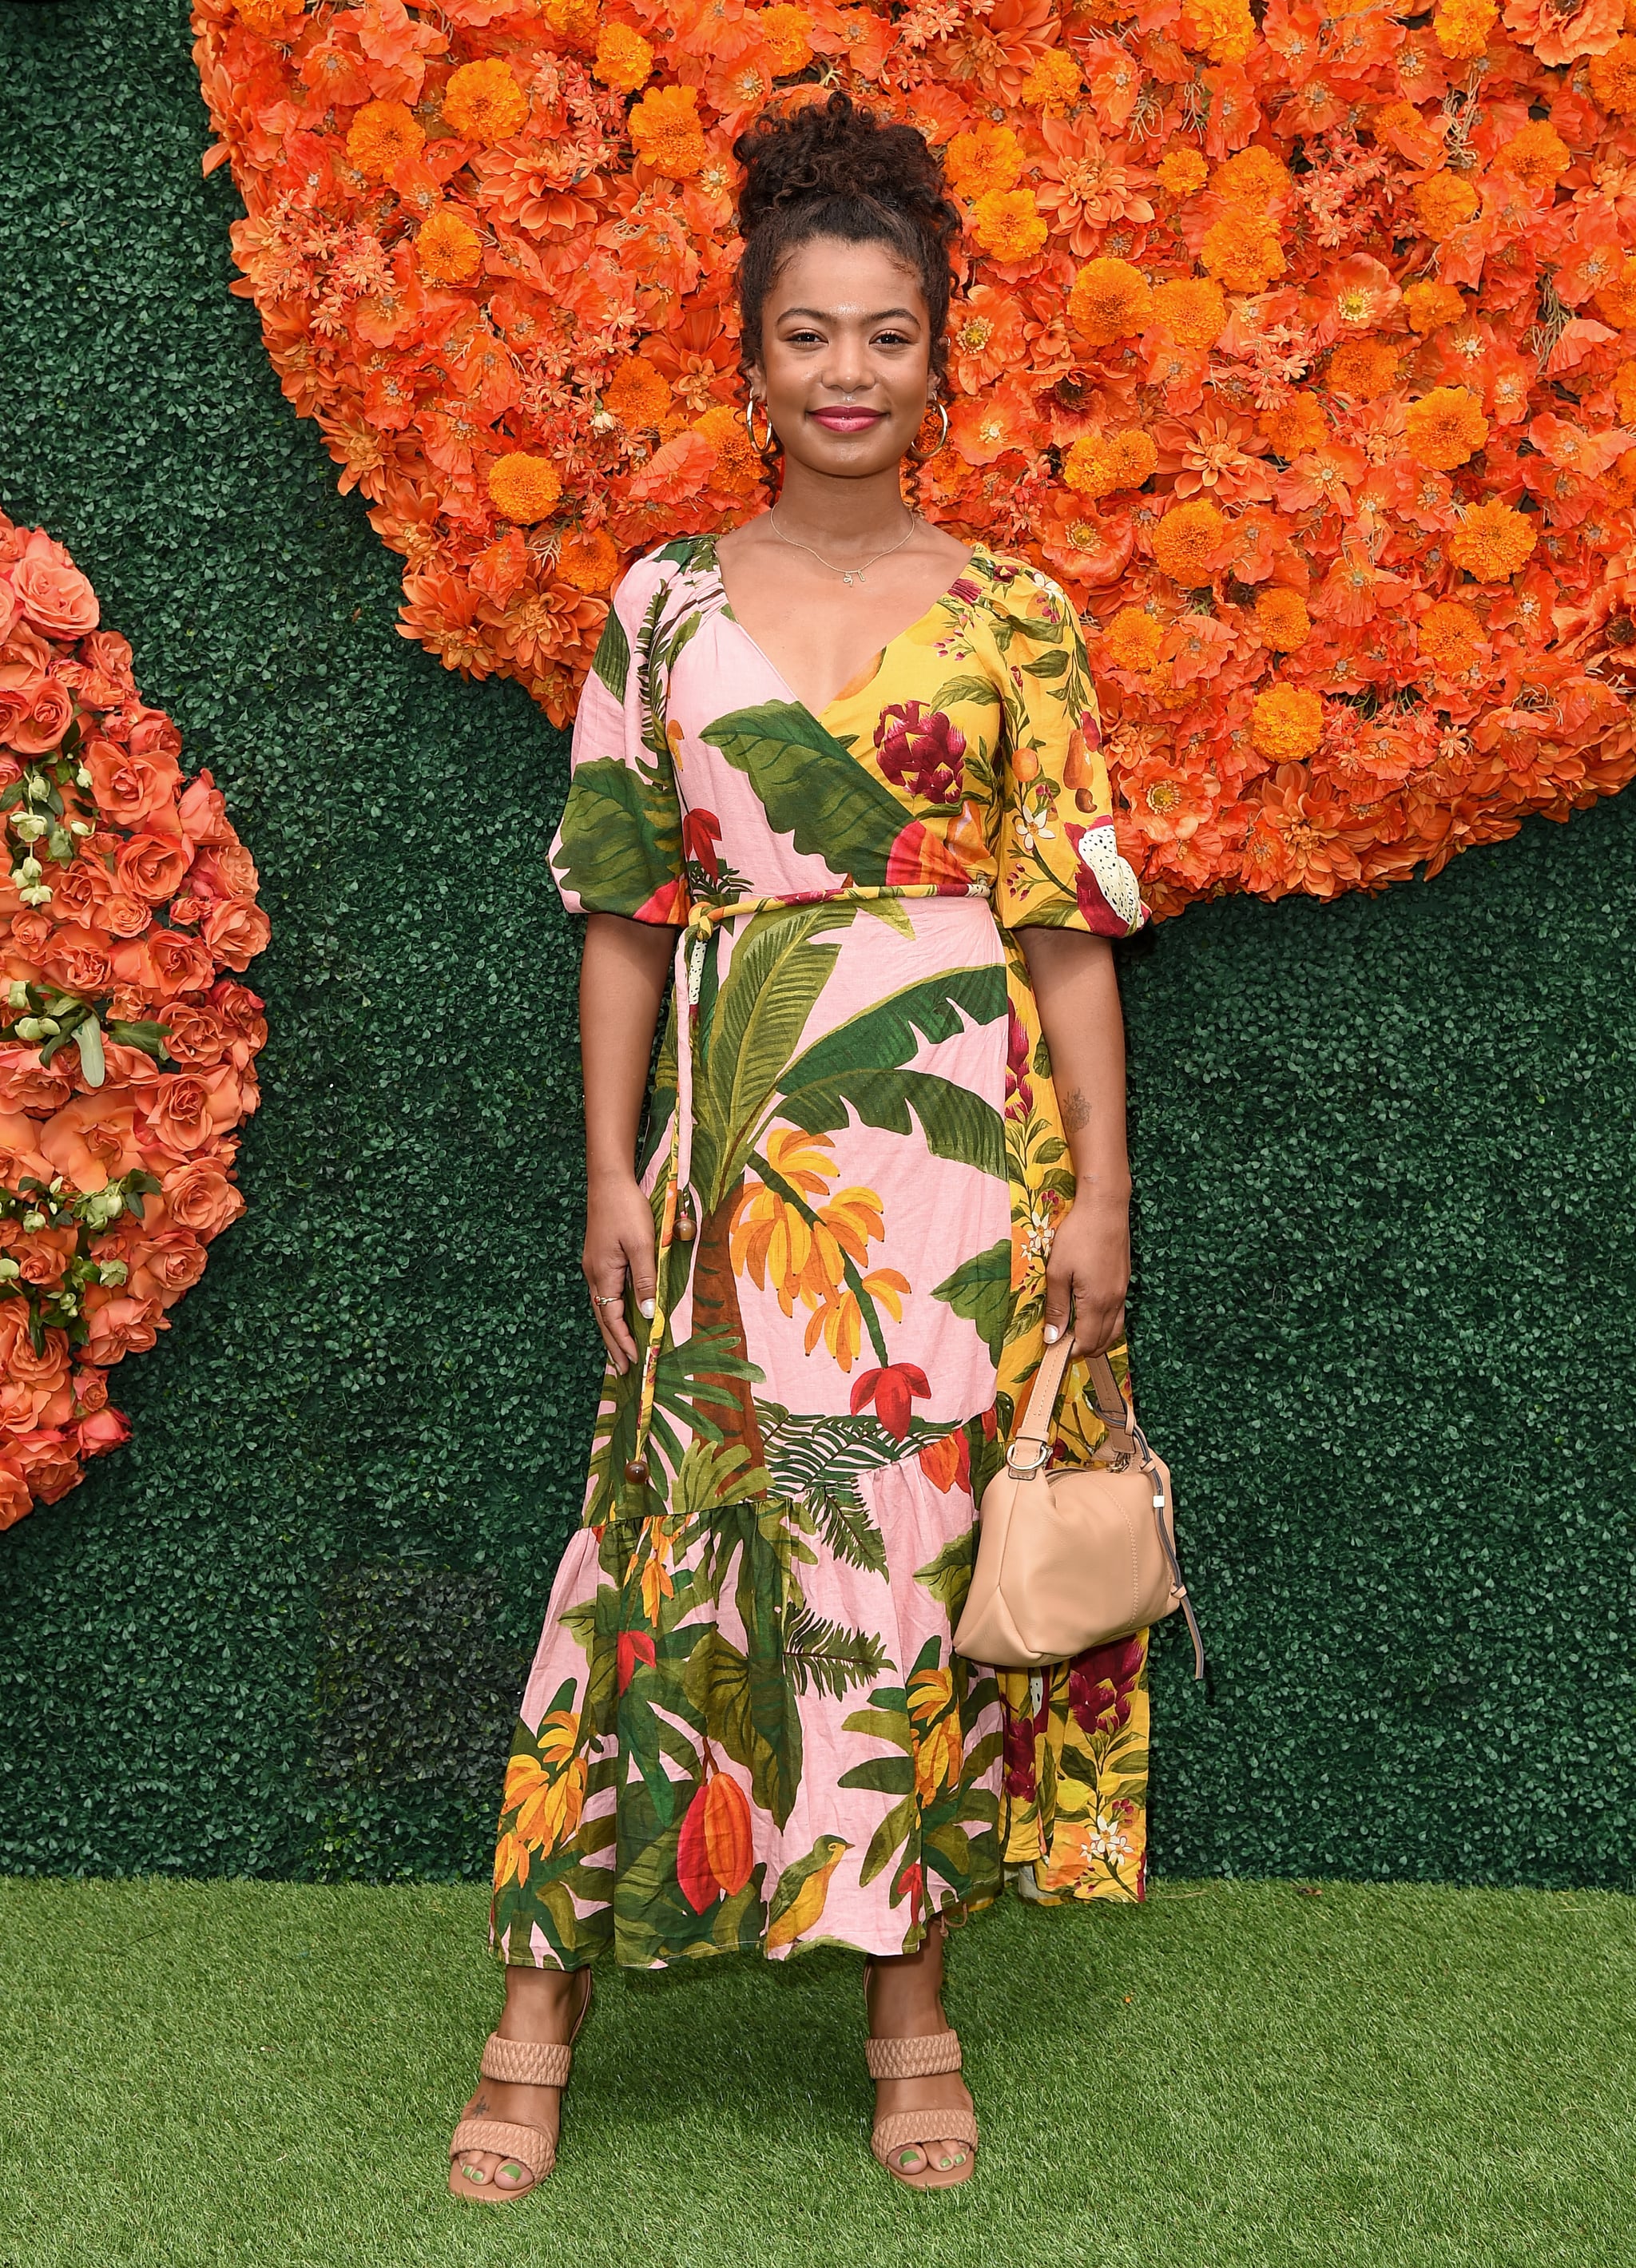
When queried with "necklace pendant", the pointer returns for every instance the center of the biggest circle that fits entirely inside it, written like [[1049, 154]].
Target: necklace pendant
[[850, 580]]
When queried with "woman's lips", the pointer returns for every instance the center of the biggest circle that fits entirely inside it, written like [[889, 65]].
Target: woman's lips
[[846, 421]]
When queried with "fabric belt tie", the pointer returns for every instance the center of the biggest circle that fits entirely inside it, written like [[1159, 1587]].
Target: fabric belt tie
[[691, 945]]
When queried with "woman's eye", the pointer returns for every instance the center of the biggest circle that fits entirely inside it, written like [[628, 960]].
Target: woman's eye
[[891, 339]]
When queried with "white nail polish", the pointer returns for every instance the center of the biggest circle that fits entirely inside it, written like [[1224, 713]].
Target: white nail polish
[[1052, 1334], [647, 1307]]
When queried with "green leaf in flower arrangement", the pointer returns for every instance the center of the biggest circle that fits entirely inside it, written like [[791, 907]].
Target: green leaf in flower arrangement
[[147, 1036], [88, 1036]]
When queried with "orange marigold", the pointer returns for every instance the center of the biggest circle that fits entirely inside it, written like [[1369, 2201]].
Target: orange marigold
[[523, 487], [738, 467], [638, 394], [270, 20], [1463, 26], [1192, 309], [1430, 305], [1617, 300], [482, 102], [1184, 539], [1625, 393], [588, 560], [1612, 76], [1054, 81], [1009, 224], [1493, 542], [1448, 634], [1444, 202], [449, 249], [988, 158], [1225, 30], [1182, 171], [1254, 176], [1537, 156], [623, 58], [1296, 425], [1100, 463], [383, 135], [788, 33], [1364, 368], [1110, 300], [575, 19], [1445, 427], [1242, 250], [1286, 723], [1133, 639], [1618, 482], [1281, 618], [665, 131]]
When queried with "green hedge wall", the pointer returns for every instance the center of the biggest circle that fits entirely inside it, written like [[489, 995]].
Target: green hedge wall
[[1385, 1309]]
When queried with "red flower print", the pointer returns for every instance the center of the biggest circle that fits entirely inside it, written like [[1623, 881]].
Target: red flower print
[[700, 832], [1100, 1683], [1019, 1092], [890, 1390], [632, 1647], [1020, 1772], [920, 751]]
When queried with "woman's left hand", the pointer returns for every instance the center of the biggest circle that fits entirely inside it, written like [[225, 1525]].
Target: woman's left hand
[[1090, 1272]]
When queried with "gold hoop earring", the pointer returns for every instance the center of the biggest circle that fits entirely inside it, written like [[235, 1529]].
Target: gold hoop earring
[[771, 447], [924, 456]]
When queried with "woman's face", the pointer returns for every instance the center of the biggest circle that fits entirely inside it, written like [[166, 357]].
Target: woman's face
[[846, 347]]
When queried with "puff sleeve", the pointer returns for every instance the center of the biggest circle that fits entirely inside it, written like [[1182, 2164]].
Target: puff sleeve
[[1059, 861], [618, 848]]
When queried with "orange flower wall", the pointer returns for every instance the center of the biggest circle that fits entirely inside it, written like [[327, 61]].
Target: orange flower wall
[[1299, 345], [127, 1047]]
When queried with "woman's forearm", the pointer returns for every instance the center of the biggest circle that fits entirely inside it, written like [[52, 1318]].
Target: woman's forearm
[[621, 987], [1078, 993]]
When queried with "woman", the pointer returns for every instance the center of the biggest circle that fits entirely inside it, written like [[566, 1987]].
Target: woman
[[843, 769]]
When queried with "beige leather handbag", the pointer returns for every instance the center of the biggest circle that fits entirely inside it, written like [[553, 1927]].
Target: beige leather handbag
[[1071, 1558]]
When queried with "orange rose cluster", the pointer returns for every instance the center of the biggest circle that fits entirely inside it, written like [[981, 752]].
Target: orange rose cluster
[[127, 1049], [1299, 343]]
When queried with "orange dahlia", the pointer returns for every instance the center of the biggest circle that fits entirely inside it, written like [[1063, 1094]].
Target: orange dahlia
[[1099, 463], [482, 102], [1110, 300], [1493, 542], [1443, 203], [1242, 250], [1054, 81], [449, 249], [1537, 156], [1430, 305], [787, 33], [1184, 540], [1448, 635], [1286, 723], [522, 487], [1009, 224], [665, 131], [986, 158], [623, 58], [1463, 26], [637, 394], [1617, 300], [1612, 76], [588, 560], [1445, 427], [1281, 619], [1182, 172], [1133, 639], [1364, 368], [382, 136], [1192, 309], [1296, 425]]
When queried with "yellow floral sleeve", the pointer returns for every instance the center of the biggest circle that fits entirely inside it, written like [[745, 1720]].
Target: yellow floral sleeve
[[1059, 861]]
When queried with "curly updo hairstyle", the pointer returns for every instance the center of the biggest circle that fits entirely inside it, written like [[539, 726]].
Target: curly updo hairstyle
[[832, 169]]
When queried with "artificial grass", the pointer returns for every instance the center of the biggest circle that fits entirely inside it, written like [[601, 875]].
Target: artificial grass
[[254, 2074]]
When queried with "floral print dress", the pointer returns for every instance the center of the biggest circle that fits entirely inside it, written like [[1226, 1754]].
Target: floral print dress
[[745, 1726]]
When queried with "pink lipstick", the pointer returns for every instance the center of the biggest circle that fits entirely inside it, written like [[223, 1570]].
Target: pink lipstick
[[846, 418]]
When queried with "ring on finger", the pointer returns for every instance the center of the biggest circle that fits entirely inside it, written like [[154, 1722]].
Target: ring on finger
[[611, 1300]]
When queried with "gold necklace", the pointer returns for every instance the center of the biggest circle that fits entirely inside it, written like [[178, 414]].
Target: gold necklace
[[847, 574]]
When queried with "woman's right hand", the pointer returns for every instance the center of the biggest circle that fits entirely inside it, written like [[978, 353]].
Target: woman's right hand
[[618, 1241]]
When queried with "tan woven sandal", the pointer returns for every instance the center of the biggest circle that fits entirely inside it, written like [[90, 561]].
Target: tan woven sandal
[[921, 2055], [518, 2063]]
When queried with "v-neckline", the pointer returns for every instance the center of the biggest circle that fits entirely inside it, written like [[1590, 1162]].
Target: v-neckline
[[978, 551]]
